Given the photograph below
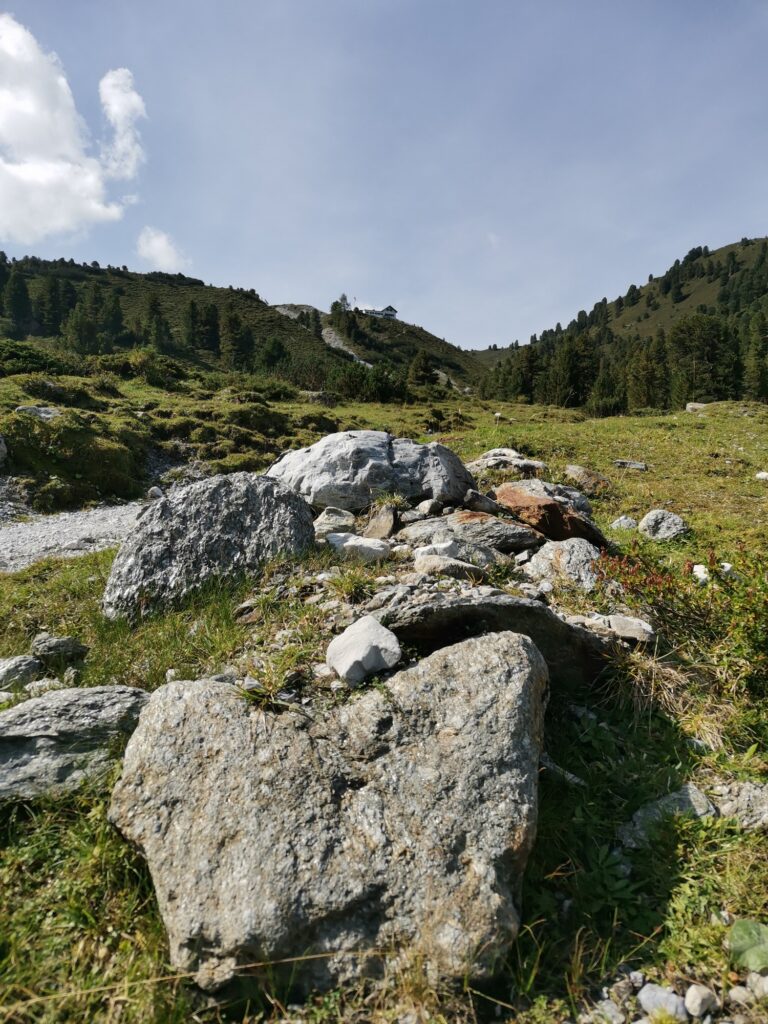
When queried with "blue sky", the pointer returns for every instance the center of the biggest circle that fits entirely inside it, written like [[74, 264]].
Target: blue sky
[[488, 168]]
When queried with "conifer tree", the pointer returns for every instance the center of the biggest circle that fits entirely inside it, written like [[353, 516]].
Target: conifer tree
[[16, 303]]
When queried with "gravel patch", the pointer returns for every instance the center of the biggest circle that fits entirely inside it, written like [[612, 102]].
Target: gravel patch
[[65, 535]]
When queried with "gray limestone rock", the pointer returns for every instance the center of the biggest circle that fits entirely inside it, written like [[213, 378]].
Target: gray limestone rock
[[40, 412], [429, 621], [507, 459], [474, 527], [219, 527], [350, 469], [659, 524], [747, 802], [58, 651], [689, 800], [624, 523], [477, 502], [334, 520], [700, 1000], [363, 649], [400, 821], [359, 549], [20, 670], [571, 560], [55, 742], [445, 565]]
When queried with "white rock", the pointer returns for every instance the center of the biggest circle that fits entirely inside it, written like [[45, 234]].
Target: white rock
[[739, 995], [606, 1012], [363, 649], [659, 524], [430, 507], [656, 998], [762, 475], [507, 458], [442, 565], [154, 493], [701, 572], [758, 985], [699, 1001], [6, 695], [624, 523], [362, 549]]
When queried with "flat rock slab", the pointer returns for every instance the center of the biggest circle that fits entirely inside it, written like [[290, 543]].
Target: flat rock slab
[[219, 527], [548, 515], [351, 469], [53, 743], [572, 653], [475, 528], [400, 822]]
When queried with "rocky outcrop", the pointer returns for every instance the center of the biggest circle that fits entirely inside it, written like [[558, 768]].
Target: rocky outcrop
[[219, 527], [55, 742], [431, 621], [401, 821], [350, 469]]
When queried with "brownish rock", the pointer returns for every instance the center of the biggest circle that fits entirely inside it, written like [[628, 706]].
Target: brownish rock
[[550, 517], [383, 523]]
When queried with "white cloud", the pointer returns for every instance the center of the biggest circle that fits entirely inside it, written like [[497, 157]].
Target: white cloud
[[49, 183], [159, 250], [123, 107]]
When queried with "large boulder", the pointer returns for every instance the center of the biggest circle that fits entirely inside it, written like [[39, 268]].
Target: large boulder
[[214, 528], [350, 469], [401, 821], [55, 742], [429, 621]]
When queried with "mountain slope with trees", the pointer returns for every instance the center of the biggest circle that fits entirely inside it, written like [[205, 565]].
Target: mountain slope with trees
[[696, 333]]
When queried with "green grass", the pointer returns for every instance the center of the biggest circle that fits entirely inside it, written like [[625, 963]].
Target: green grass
[[77, 904]]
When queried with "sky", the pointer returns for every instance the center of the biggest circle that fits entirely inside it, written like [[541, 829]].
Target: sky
[[487, 168]]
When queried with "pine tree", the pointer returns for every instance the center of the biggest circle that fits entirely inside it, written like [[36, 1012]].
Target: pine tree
[[16, 303], [192, 328], [112, 322], [210, 332], [52, 299], [80, 331]]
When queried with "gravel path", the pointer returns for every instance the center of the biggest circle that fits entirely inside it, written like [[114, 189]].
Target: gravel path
[[65, 535]]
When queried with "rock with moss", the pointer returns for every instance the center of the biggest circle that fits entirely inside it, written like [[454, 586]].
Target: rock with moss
[[349, 470], [56, 742], [401, 821], [225, 526]]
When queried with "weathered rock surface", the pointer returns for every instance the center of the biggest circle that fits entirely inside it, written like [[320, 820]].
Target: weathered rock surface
[[659, 524], [568, 496], [383, 524], [58, 651], [40, 412], [19, 670], [589, 481], [477, 502], [475, 528], [334, 520], [431, 621], [689, 800], [218, 527], [746, 801], [400, 821], [445, 565], [548, 516], [623, 627], [55, 742], [571, 560], [350, 469], [476, 554], [360, 549], [624, 523], [363, 649], [509, 459]]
